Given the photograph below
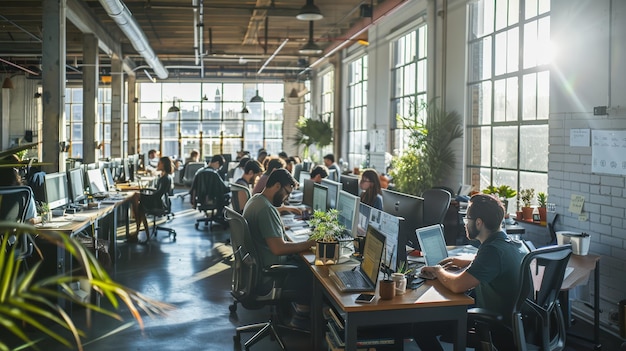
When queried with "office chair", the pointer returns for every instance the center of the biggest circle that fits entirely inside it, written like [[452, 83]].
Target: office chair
[[551, 221], [14, 203], [190, 170], [252, 285], [158, 209], [536, 321], [209, 194], [436, 203], [235, 190]]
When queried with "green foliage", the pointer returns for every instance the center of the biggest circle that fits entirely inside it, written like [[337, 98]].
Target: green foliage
[[312, 131], [429, 156], [27, 301], [403, 268], [503, 191], [542, 199], [526, 196], [326, 226]]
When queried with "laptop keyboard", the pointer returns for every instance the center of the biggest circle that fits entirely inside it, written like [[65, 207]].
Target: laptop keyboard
[[353, 279]]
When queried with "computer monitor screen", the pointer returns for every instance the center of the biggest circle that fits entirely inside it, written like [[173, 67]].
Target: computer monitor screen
[[126, 170], [304, 175], [307, 192], [333, 192], [350, 184], [363, 219], [332, 175], [320, 195], [296, 172], [406, 206], [108, 176], [76, 185], [389, 226], [348, 207], [56, 190], [96, 181]]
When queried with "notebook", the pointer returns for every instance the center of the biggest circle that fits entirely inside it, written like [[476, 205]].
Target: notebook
[[364, 276], [432, 245]]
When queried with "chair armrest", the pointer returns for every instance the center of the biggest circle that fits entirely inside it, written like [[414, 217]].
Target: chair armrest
[[279, 269], [483, 314]]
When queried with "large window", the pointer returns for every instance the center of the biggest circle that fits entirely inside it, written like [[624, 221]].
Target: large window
[[74, 121], [179, 117], [508, 87], [357, 111], [409, 78]]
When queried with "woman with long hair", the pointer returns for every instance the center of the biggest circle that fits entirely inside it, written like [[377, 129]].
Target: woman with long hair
[[371, 193], [142, 201]]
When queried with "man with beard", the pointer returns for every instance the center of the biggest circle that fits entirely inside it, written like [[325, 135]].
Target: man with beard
[[268, 232], [493, 273]]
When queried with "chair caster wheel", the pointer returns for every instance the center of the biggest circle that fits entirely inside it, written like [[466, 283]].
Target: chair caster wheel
[[197, 225], [232, 308]]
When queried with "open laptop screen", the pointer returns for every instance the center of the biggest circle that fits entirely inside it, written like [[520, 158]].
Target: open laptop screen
[[432, 244]]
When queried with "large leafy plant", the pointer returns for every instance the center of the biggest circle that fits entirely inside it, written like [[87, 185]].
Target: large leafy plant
[[326, 226], [311, 131], [28, 302], [429, 156]]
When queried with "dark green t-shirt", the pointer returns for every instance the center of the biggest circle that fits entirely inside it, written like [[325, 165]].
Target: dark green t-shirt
[[497, 267], [264, 222]]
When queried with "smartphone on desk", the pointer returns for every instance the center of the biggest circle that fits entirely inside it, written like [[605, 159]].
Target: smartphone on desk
[[364, 298]]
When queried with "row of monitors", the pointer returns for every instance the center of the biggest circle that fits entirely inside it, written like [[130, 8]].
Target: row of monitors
[[402, 214], [64, 188]]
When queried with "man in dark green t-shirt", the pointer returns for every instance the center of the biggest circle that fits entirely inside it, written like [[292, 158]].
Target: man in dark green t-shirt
[[493, 273]]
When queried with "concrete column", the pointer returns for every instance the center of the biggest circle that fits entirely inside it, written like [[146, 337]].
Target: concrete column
[[133, 99], [90, 96], [6, 116], [338, 140], [117, 104], [53, 82]]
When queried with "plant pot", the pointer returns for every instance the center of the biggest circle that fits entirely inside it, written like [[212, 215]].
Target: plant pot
[[543, 215], [519, 215], [386, 289], [527, 213], [400, 279], [326, 253], [46, 217]]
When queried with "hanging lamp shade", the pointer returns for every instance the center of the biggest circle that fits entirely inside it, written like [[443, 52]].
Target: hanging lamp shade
[[309, 12], [173, 108], [245, 109], [294, 93], [7, 84], [310, 48], [257, 97]]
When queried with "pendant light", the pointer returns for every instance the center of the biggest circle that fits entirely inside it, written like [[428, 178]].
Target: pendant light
[[309, 12], [310, 48]]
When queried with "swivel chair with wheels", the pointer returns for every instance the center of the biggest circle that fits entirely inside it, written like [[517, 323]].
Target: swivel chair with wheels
[[436, 203], [536, 322], [252, 285], [14, 204], [189, 171], [210, 195], [158, 209], [238, 202]]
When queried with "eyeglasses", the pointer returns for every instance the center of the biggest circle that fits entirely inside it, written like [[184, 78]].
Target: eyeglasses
[[363, 180], [288, 189]]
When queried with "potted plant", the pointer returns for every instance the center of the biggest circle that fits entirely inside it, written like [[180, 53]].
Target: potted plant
[[44, 211], [399, 276], [542, 201], [527, 195], [504, 193], [311, 131], [326, 232]]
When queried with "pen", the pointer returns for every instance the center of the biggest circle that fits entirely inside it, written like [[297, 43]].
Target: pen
[[354, 268]]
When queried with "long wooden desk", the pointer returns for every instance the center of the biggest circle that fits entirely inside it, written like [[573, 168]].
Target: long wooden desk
[[430, 302]]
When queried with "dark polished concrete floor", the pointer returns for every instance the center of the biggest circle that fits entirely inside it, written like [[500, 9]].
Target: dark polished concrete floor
[[193, 275]]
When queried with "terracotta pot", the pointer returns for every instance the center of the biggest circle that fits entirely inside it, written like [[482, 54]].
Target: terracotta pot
[[527, 213], [543, 215], [519, 215]]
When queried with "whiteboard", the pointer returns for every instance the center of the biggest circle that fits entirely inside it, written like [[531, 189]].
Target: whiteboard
[[608, 151]]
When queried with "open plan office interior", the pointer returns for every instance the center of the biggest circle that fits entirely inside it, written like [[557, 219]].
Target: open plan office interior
[[536, 84]]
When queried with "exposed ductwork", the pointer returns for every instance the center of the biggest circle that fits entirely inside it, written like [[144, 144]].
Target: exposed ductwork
[[118, 11]]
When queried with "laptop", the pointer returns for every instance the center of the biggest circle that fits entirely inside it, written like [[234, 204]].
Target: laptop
[[364, 276], [432, 244]]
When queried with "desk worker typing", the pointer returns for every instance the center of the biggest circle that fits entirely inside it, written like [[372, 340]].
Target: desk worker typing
[[493, 273], [268, 231]]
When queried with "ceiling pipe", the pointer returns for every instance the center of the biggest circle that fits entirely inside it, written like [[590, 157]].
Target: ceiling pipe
[[280, 47], [19, 67], [196, 49], [201, 36], [118, 11], [384, 9]]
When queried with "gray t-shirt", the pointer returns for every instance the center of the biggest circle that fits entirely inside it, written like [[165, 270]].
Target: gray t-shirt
[[497, 267], [264, 222]]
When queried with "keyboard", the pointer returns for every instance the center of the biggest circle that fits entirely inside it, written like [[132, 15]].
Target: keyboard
[[100, 196], [353, 279]]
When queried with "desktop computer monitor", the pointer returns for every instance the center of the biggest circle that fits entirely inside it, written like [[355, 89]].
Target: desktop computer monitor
[[350, 184], [125, 177], [96, 181], [296, 172], [332, 175], [76, 185], [307, 192], [304, 175], [320, 196], [348, 207], [55, 185], [108, 176], [408, 207], [333, 192], [389, 226]]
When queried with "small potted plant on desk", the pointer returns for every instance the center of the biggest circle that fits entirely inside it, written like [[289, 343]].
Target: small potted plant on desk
[[399, 276], [44, 211], [527, 195], [326, 232], [542, 200]]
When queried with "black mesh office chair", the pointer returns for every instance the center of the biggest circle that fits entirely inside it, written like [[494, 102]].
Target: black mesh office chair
[[551, 218], [235, 190], [252, 285], [189, 171], [436, 203], [14, 203], [210, 195], [536, 322], [158, 209]]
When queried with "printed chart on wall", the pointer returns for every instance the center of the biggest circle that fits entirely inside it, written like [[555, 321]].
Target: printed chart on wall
[[608, 151]]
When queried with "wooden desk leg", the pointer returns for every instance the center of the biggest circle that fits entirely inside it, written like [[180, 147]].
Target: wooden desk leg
[[350, 333], [461, 332]]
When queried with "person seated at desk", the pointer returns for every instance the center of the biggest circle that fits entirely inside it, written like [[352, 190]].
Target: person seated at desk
[[140, 201], [252, 171], [272, 164], [329, 161], [318, 173], [194, 156], [268, 232], [240, 169], [371, 194], [9, 176], [493, 272], [152, 162]]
